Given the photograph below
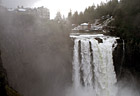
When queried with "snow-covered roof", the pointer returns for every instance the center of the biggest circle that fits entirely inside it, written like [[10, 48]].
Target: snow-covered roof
[[22, 10], [10, 9], [84, 24]]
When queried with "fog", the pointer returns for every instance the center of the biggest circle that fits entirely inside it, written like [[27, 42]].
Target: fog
[[36, 54], [15, 3]]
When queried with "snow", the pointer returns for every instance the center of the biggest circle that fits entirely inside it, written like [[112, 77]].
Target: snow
[[10, 9], [97, 26], [84, 24], [22, 10]]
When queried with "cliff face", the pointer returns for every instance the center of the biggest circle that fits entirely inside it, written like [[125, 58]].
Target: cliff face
[[118, 58], [3, 79], [5, 90], [126, 61]]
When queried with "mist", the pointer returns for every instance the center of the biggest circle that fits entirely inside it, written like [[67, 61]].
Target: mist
[[36, 54], [124, 88], [128, 85], [15, 3]]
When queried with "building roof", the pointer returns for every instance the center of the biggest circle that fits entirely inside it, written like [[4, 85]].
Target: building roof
[[84, 24], [11, 9], [22, 10]]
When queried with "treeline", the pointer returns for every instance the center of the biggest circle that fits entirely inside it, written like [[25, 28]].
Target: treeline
[[93, 12]]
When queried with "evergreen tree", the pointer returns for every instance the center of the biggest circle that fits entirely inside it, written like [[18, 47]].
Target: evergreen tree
[[75, 18], [81, 18], [69, 15], [58, 17]]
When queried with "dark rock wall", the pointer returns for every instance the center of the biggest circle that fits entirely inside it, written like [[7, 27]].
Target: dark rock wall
[[5, 90], [126, 61], [3, 79], [118, 58]]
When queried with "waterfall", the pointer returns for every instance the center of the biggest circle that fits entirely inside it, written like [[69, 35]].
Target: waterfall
[[76, 66], [93, 67]]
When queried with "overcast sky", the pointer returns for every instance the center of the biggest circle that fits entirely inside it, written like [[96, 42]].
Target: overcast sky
[[63, 6]]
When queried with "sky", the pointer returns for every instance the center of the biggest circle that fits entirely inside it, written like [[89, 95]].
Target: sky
[[64, 6]]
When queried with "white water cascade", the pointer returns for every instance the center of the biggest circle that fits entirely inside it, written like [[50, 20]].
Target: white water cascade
[[93, 68]]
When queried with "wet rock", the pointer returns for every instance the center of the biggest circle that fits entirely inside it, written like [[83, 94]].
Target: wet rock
[[118, 58], [119, 41], [126, 57], [5, 90], [99, 40]]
